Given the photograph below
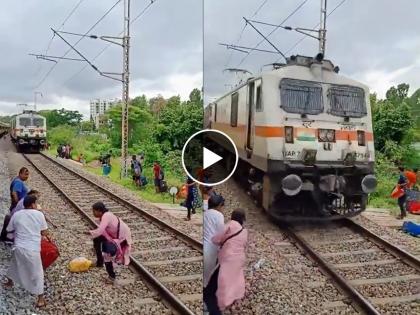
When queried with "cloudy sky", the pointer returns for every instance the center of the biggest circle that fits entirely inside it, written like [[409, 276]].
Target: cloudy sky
[[166, 53], [373, 41]]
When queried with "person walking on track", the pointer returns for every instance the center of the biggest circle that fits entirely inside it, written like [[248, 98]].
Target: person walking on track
[[232, 256], [213, 224], [26, 269], [111, 240]]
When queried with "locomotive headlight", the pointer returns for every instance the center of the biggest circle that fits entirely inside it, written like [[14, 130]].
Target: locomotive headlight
[[369, 183], [326, 135], [361, 138], [288, 132], [291, 185]]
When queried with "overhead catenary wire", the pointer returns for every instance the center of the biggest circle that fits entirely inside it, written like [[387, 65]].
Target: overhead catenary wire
[[78, 41], [61, 27], [263, 3], [63, 23], [109, 44], [274, 30]]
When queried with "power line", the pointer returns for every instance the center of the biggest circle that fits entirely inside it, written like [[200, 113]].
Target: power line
[[275, 29], [62, 24], [107, 46], [61, 27], [243, 30], [78, 41], [303, 37]]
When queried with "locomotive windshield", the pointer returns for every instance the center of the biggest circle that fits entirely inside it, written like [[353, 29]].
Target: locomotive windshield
[[347, 101], [39, 122], [301, 97], [25, 121]]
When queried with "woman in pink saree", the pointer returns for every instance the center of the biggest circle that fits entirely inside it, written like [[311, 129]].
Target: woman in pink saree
[[111, 240], [232, 241]]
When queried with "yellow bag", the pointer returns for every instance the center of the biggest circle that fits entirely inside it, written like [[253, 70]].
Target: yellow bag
[[79, 264]]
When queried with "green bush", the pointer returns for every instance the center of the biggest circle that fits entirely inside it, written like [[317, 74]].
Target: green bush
[[387, 176]]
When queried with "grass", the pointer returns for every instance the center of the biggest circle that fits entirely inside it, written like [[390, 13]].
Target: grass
[[147, 192], [387, 177]]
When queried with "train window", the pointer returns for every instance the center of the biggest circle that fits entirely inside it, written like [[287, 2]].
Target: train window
[[38, 122], [258, 104], [301, 97], [234, 110], [348, 101], [24, 121]]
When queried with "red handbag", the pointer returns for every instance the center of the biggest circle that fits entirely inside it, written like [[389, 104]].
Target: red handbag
[[49, 252], [397, 192]]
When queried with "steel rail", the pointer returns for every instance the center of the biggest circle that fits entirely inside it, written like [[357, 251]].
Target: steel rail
[[360, 302], [191, 241], [395, 251], [172, 300]]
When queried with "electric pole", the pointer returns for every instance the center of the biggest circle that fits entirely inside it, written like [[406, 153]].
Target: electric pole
[[323, 27], [125, 91]]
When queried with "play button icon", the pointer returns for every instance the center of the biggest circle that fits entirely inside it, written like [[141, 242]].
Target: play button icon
[[209, 157]]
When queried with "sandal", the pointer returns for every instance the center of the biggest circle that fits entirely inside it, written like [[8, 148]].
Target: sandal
[[41, 304], [8, 285]]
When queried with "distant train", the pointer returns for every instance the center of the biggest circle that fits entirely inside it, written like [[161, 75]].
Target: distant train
[[28, 131], [304, 138]]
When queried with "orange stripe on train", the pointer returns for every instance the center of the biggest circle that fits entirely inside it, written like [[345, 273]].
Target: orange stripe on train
[[278, 132]]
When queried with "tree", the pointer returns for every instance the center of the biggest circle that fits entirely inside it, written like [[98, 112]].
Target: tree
[[195, 96], [414, 102], [138, 124], [140, 102], [61, 117], [398, 94], [178, 121], [87, 125], [6, 119], [157, 104], [392, 122]]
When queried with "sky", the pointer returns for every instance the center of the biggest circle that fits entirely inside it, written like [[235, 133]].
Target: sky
[[165, 56], [376, 42]]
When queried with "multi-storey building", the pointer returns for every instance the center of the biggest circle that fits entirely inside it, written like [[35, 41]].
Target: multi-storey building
[[98, 107]]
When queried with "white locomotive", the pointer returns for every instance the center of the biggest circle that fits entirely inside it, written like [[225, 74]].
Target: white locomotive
[[304, 137], [28, 131]]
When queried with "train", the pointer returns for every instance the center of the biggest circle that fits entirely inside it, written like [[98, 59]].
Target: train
[[28, 131], [304, 137]]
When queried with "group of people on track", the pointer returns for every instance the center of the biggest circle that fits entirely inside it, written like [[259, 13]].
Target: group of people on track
[[64, 151], [26, 227]]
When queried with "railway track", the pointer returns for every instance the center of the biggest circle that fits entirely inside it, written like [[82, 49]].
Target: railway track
[[376, 276], [168, 260]]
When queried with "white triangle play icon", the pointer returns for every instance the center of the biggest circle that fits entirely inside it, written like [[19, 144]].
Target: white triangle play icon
[[209, 158]]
